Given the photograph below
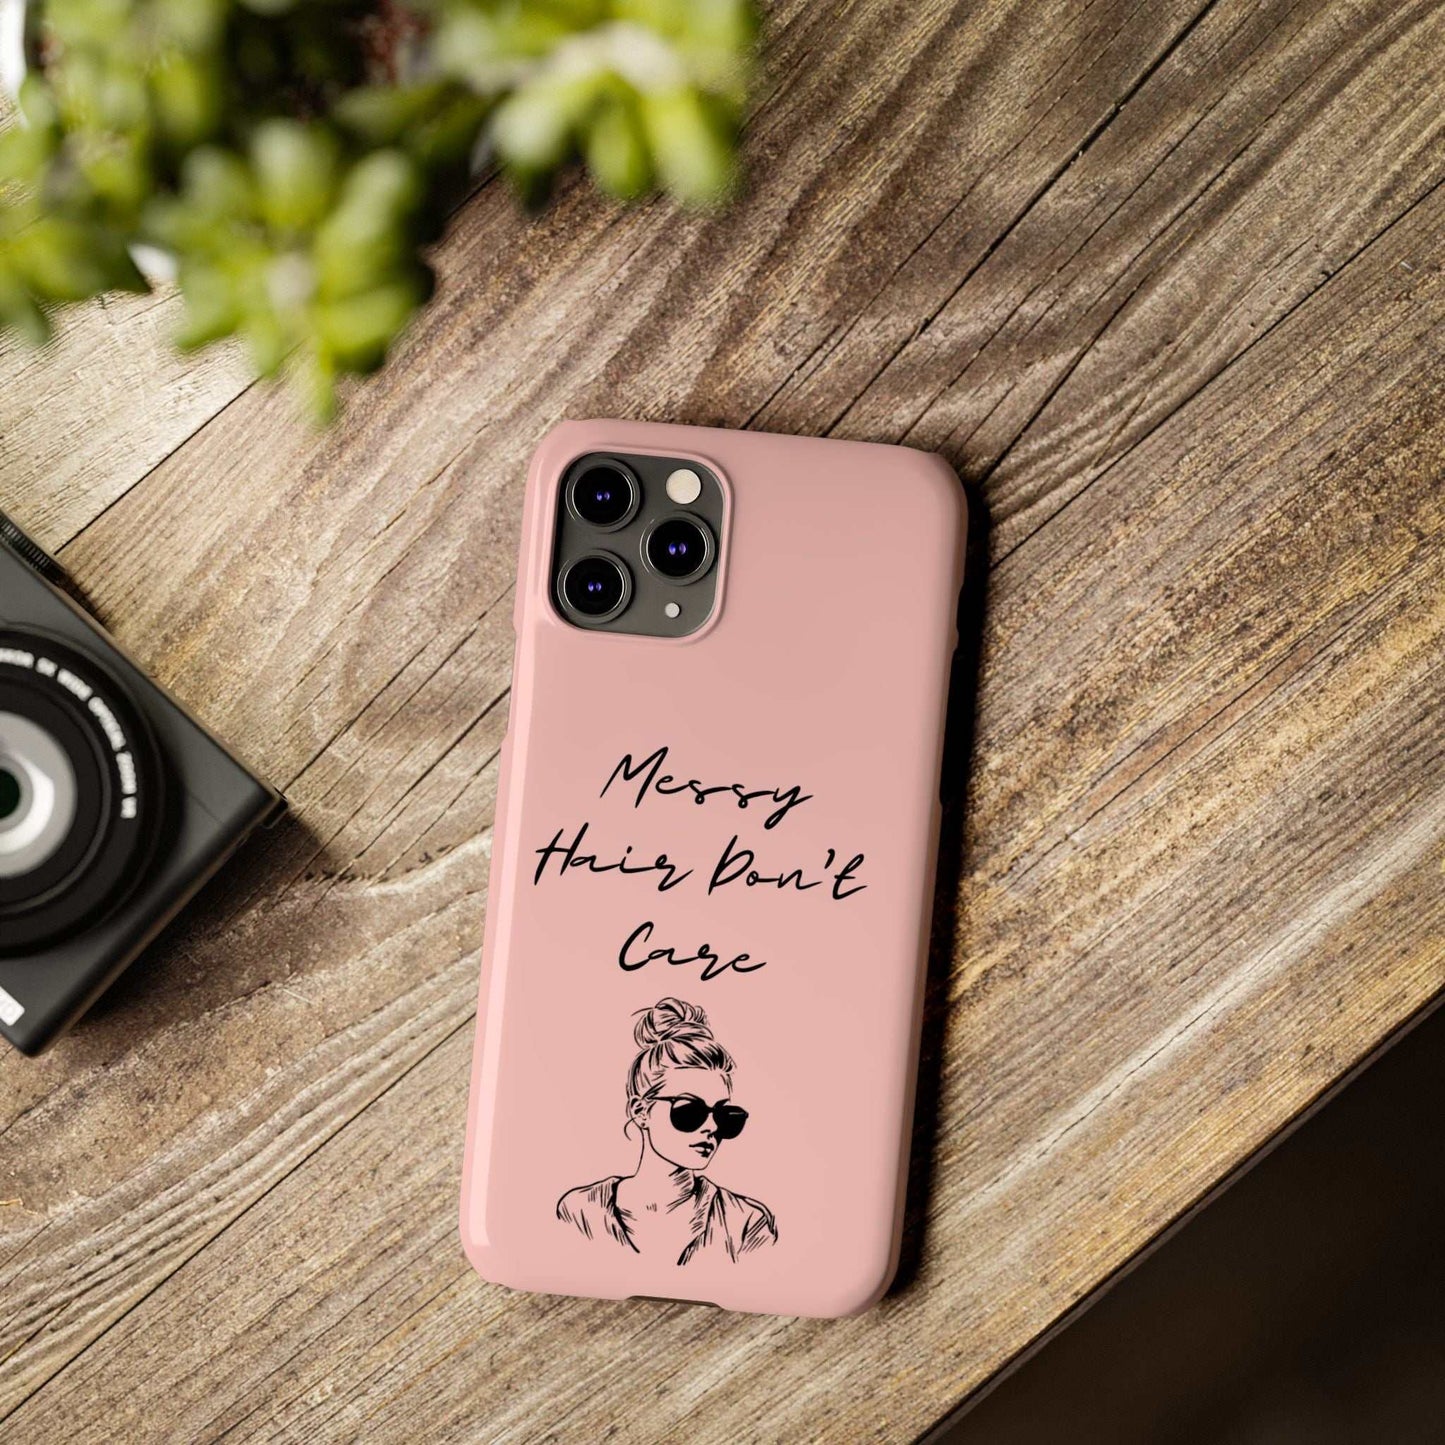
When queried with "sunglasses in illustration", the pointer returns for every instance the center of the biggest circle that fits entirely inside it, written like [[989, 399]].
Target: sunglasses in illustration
[[689, 1113]]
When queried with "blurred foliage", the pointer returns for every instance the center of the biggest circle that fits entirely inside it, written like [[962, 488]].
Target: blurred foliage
[[294, 156]]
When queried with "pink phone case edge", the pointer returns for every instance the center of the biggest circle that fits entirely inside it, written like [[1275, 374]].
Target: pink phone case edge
[[846, 1290]]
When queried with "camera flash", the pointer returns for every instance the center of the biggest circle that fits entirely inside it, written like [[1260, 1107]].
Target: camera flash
[[684, 486], [672, 610]]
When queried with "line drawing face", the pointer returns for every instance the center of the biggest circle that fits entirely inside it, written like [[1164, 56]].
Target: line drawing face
[[680, 1105]]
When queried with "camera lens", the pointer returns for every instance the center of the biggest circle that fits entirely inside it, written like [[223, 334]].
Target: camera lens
[[37, 795], [604, 495], [81, 792], [10, 794], [678, 548], [596, 587]]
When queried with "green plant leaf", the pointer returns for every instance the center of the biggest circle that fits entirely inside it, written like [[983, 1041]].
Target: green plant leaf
[[295, 155], [692, 146]]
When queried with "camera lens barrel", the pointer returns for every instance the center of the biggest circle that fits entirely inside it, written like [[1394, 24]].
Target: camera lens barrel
[[596, 587], [605, 495], [679, 548], [81, 791]]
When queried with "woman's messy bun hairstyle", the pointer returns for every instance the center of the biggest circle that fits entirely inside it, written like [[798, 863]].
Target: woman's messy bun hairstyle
[[677, 1033]]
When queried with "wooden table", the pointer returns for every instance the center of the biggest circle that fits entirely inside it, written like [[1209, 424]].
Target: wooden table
[[1165, 282]]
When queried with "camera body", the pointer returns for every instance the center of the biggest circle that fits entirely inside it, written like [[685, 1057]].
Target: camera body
[[116, 806]]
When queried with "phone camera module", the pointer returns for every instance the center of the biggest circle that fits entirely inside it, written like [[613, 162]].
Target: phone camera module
[[678, 548], [638, 543], [596, 587], [605, 495]]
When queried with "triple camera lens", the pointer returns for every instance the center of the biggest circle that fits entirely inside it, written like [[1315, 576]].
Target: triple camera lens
[[625, 549], [678, 548], [596, 587], [604, 496]]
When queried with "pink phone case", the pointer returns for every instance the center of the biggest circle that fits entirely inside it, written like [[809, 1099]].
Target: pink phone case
[[604, 1152]]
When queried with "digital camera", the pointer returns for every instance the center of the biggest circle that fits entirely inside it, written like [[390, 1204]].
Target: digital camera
[[115, 805]]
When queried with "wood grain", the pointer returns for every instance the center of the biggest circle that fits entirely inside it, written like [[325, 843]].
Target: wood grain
[[1164, 282], [89, 414]]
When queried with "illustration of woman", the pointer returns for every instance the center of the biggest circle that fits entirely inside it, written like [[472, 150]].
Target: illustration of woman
[[679, 1099]]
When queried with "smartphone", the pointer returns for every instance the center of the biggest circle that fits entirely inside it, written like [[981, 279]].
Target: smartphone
[[713, 868]]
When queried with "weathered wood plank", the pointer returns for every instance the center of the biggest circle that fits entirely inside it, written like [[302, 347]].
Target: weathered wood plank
[[1229, 188], [1202, 849], [89, 414]]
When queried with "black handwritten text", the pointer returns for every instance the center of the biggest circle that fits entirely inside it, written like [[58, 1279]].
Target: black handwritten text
[[654, 780]]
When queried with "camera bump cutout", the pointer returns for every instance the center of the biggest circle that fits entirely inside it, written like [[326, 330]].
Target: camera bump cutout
[[638, 545]]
